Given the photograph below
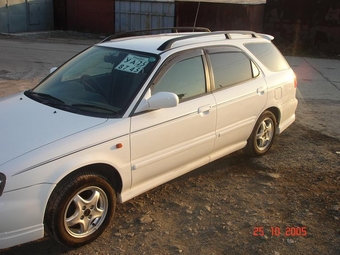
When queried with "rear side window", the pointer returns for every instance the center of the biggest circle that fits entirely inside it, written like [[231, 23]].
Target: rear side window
[[269, 55], [230, 68]]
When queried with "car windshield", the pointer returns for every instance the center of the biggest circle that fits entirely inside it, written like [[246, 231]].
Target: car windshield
[[100, 81]]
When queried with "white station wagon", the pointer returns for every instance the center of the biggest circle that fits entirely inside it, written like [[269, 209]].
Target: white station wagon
[[127, 115]]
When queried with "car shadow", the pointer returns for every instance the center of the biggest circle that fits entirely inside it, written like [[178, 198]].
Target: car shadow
[[42, 246]]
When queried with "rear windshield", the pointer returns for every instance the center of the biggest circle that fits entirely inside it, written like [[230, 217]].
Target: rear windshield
[[269, 55]]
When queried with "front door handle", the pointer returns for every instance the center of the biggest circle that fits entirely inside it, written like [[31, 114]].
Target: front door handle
[[204, 110]]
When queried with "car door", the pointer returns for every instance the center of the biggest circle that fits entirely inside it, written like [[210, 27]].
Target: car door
[[168, 142], [240, 91]]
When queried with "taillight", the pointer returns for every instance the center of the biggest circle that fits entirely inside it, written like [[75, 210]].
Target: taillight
[[295, 82]]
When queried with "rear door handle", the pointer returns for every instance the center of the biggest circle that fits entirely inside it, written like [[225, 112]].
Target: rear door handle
[[261, 91]]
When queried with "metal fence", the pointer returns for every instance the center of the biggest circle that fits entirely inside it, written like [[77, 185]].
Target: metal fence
[[138, 15], [25, 15]]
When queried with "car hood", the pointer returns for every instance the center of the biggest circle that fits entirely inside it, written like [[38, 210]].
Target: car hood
[[27, 125]]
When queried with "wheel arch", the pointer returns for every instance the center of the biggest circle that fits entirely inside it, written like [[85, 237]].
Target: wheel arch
[[107, 175], [105, 170], [265, 136], [276, 112]]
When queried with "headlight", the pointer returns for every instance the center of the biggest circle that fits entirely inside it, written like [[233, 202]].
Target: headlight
[[2, 183]]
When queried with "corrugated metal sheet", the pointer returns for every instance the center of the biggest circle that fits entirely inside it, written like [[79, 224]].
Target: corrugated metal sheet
[[3, 16], [16, 16], [26, 15], [138, 15]]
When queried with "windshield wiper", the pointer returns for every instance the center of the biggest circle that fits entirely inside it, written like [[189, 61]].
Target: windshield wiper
[[43, 96], [98, 107]]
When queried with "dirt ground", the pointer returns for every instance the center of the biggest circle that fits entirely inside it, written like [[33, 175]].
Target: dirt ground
[[221, 208], [287, 202]]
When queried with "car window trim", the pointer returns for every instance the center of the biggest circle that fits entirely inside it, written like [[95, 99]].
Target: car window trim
[[228, 49], [167, 64]]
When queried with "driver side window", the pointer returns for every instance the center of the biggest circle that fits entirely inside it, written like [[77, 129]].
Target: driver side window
[[185, 78]]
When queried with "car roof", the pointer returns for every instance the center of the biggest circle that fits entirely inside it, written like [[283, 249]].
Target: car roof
[[158, 43]]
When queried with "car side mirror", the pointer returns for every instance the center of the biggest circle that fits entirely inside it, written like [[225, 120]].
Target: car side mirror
[[158, 101], [53, 69]]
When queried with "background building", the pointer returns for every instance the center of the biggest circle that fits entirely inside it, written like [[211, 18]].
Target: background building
[[109, 16], [304, 25]]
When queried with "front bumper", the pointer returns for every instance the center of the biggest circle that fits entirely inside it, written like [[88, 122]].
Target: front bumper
[[22, 214]]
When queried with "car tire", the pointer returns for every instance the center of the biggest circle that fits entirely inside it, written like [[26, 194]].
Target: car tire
[[80, 209], [262, 136]]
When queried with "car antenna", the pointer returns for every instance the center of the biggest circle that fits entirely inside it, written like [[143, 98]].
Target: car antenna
[[198, 7]]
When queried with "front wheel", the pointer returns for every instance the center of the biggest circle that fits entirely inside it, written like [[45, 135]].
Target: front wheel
[[262, 137], [80, 209]]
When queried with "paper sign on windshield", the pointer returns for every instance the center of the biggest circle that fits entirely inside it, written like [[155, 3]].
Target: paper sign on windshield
[[132, 64]]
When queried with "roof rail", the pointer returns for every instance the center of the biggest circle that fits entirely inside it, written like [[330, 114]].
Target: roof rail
[[253, 34], [149, 31], [228, 35]]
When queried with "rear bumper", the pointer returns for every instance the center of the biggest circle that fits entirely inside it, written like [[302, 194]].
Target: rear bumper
[[287, 115]]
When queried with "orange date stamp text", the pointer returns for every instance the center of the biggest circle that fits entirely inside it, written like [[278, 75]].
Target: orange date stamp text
[[277, 231]]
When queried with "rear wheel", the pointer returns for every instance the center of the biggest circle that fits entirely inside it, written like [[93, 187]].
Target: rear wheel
[[80, 209], [262, 137]]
